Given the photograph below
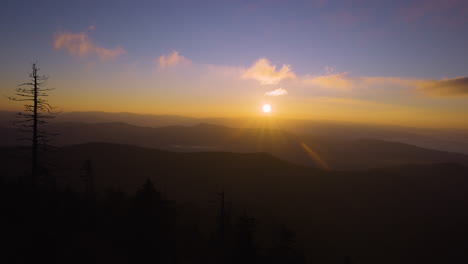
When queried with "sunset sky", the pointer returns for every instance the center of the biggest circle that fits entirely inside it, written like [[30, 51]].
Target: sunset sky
[[387, 62]]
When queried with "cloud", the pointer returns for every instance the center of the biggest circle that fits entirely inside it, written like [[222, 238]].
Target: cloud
[[445, 87], [336, 81], [333, 83], [341, 82], [387, 81], [265, 73], [79, 44], [277, 92], [172, 60]]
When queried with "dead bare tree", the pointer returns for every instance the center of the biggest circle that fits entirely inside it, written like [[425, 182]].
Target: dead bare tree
[[36, 112]]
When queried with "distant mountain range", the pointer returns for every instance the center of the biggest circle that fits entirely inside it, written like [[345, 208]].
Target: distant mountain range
[[450, 140], [318, 151]]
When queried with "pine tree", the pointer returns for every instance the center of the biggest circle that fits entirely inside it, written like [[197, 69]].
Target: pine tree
[[88, 177], [286, 249], [245, 248]]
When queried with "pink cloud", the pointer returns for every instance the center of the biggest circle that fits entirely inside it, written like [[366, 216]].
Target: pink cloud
[[79, 44], [172, 59]]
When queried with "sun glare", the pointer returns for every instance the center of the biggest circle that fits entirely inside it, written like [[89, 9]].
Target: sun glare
[[266, 108]]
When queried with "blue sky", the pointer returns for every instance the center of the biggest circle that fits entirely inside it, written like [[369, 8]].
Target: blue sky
[[418, 40], [363, 37]]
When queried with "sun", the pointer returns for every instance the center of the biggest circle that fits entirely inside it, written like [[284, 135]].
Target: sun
[[266, 108]]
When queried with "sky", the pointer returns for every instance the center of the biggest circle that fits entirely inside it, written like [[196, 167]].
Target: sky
[[381, 62]]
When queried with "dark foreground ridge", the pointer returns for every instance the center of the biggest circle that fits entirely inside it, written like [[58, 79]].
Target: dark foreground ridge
[[272, 210]]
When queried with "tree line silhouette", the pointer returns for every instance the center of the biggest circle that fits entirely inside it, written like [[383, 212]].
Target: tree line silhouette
[[65, 226]]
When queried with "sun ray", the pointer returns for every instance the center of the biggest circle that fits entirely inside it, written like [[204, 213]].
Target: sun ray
[[315, 157]]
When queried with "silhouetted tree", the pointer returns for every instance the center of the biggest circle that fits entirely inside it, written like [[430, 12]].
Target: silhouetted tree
[[153, 220], [88, 177], [36, 111], [285, 249], [245, 250], [224, 220], [223, 230]]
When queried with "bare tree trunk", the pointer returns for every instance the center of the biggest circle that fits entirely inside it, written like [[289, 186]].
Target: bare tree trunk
[[34, 134], [36, 111]]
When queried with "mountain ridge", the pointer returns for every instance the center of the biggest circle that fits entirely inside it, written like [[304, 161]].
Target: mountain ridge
[[337, 154]]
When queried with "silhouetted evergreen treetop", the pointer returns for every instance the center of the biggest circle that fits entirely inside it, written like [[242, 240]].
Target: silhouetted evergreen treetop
[[285, 248], [245, 250]]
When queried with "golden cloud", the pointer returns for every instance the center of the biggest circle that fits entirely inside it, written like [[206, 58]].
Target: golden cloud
[[388, 81], [344, 83], [172, 60], [338, 81], [341, 82], [277, 92], [265, 73], [445, 87], [80, 44]]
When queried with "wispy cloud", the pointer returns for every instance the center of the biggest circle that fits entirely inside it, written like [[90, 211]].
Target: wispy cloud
[[265, 73], [379, 81], [80, 44], [172, 59], [444, 87], [337, 81], [331, 82], [342, 82], [277, 92]]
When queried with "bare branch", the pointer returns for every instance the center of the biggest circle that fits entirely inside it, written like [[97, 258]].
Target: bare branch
[[35, 114]]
